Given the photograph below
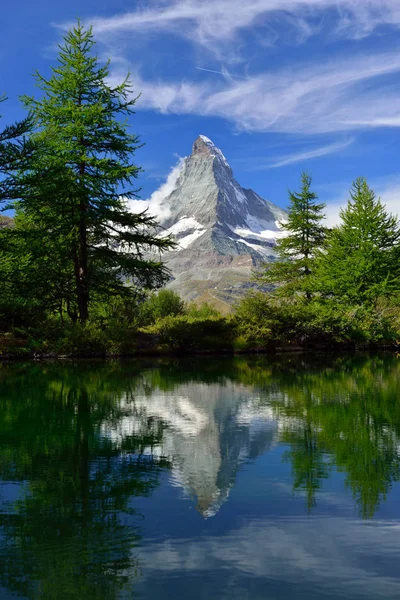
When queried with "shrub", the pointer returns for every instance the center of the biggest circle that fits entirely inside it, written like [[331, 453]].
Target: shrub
[[264, 321], [165, 303], [204, 311], [185, 333]]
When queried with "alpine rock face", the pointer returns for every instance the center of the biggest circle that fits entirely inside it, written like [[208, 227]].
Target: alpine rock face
[[222, 230]]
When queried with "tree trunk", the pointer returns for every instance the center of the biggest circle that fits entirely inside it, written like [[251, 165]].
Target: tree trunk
[[81, 268], [82, 296], [83, 292]]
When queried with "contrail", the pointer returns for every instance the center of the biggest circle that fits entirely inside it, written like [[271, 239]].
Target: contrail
[[223, 73], [211, 71]]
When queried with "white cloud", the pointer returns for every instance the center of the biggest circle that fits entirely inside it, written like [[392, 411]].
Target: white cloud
[[390, 197], [387, 190], [307, 155], [337, 95], [332, 556], [314, 97], [214, 22], [155, 202]]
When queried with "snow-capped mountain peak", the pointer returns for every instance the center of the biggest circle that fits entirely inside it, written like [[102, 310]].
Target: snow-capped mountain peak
[[222, 229], [204, 145]]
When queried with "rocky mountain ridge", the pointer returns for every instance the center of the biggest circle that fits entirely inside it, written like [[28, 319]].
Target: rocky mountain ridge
[[223, 230]]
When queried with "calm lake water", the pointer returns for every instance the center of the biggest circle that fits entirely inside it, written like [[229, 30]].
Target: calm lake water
[[240, 478]]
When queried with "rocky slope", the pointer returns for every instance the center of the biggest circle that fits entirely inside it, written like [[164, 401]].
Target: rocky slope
[[6, 221], [222, 229]]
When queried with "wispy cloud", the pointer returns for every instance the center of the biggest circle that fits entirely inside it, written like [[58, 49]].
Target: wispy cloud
[[212, 22], [304, 156], [337, 95], [319, 96], [224, 72]]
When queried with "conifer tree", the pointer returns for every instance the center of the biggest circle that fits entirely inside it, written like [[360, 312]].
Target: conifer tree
[[81, 174], [14, 148], [304, 233], [361, 258]]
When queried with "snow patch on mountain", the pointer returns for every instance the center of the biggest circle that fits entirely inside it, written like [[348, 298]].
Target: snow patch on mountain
[[189, 239], [261, 235], [185, 231], [239, 195], [257, 247]]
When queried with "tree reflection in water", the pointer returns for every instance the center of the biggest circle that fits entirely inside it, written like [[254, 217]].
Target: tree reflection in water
[[344, 416], [73, 531], [80, 441]]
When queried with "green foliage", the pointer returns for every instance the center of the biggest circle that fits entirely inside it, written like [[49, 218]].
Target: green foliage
[[36, 279], [187, 334], [73, 528], [351, 281], [79, 177], [203, 311], [296, 251], [360, 262], [14, 150], [255, 321], [264, 321], [165, 303]]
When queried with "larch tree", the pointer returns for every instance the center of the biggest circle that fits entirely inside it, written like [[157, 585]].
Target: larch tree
[[80, 177], [14, 149], [303, 235], [361, 258]]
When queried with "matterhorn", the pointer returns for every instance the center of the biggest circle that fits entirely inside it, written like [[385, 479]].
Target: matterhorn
[[222, 230]]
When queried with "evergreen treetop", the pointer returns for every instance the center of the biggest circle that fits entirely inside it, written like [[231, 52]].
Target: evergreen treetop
[[361, 258], [303, 234]]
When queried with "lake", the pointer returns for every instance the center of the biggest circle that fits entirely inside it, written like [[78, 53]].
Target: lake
[[235, 478]]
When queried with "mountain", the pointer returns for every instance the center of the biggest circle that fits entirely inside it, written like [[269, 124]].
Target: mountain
[[207, 431], [222, 229], [6, 221]]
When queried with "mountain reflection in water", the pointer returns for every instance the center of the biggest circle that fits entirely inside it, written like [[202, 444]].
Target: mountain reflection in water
[[292, 466]]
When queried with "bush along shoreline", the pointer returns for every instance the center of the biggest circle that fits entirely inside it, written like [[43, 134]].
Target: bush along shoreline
[[164, 325]]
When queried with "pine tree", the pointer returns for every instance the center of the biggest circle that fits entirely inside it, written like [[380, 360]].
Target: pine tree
[[80, 177], [14, 149], [293, 269], [36, 277], [361, 258]]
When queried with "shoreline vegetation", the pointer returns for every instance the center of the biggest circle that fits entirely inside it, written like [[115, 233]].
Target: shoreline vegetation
[[82, 276], [163, 325]]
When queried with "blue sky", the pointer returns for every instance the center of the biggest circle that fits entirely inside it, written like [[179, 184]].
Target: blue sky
[[279, 85]]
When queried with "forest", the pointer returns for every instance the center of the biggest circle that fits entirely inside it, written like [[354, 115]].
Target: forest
[[82, 275]]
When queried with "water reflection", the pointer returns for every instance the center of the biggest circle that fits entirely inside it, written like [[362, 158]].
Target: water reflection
[[208, 431], [86, 451], [69, 531], [345, 418]]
